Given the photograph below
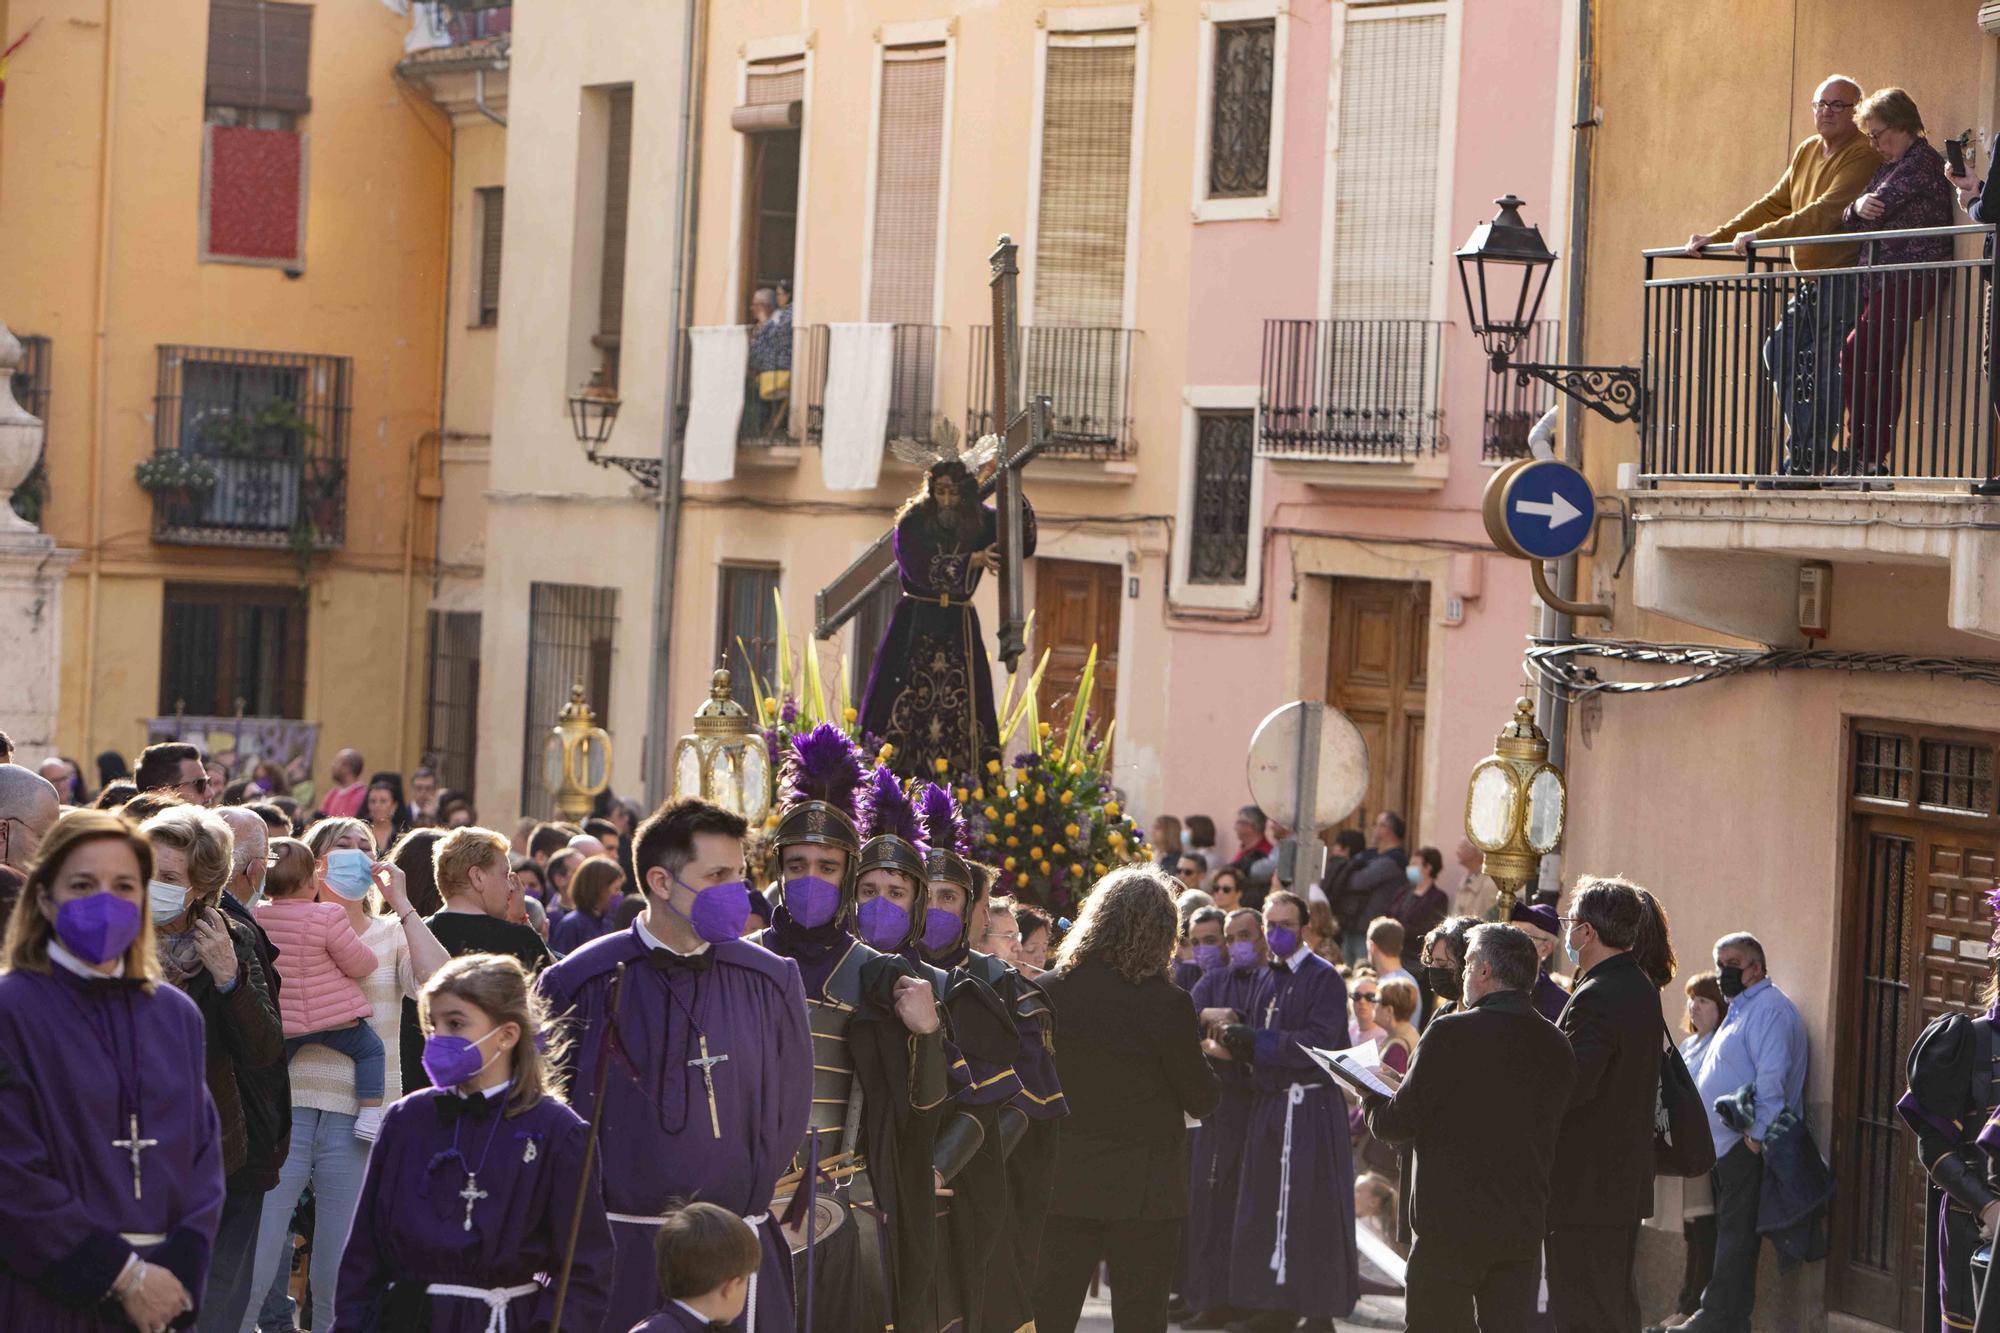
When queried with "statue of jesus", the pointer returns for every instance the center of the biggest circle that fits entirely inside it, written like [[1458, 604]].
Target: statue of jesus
[[930, 693]]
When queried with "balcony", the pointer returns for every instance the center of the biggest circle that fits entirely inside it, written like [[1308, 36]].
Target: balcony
[[249, 449], [1354, 402], [1085, 372], [1512, 408], [1744, 476], [913, 367], [461, 56]]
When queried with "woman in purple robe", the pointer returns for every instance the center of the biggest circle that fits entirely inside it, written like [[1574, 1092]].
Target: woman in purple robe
[[110, 1150], [464, 1217], [930, 693]]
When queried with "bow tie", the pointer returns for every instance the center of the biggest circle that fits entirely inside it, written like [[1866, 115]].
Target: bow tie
[[451, 1107], [665, 960]]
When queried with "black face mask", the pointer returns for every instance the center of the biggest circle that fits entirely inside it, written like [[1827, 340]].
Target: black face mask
[[1729, 980], [1444, 981]]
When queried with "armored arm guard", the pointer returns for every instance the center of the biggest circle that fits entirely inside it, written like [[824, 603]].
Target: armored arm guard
[[958, 1143]]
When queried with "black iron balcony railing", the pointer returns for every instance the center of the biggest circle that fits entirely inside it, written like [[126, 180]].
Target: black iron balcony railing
[[1865, 374], [249, 448], [1512, 408], [912, 383], [1087, 375], [1351, 390]]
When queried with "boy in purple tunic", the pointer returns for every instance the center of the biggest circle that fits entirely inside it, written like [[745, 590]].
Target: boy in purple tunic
[[1216, 1155], [1294, 1253], [707, 1256], [110, 1149], [464, 1217], [710, 1059]]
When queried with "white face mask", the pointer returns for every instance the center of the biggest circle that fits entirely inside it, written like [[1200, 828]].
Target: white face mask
[[166, 900]]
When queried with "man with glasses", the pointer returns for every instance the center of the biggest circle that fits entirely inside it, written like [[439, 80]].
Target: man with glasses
[[173, 766], [1829, 170]]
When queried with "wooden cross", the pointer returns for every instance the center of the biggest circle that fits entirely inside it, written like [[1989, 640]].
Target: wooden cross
[[708, 1063], [135, 1145], [472, 1194], [1022, 435]]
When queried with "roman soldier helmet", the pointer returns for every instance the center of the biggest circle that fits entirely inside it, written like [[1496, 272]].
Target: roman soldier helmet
[[889, 822], [819, 779], [948, 842]]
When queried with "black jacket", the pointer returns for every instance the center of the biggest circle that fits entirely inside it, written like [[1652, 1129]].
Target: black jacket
[[1131, 1067], [1481, 1106], [263, 1090], [1613, 1024], [1376, 881]]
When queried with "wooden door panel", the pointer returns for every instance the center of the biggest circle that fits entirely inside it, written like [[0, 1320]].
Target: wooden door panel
[[1375, 675], [1077, 606]]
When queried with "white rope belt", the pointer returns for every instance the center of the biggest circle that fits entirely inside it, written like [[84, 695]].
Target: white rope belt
[[138, 1238], [496, 1299], [755, 1221], [1293, 1096]]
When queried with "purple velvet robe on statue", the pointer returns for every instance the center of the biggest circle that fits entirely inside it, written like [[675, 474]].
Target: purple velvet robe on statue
[[409, 1226], [930, 690], [1215, 1157], [1301, 1257], [65, 1191], [657, 1139]]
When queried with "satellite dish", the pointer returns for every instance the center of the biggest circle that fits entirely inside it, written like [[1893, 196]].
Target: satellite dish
[[1307, 753]]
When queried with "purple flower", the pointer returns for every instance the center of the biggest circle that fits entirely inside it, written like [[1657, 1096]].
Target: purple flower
[[788, 713]]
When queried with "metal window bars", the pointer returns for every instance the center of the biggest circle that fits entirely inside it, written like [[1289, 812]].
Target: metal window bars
[[1351, 390], [912, 382], [1086, 373], [1513, 408]]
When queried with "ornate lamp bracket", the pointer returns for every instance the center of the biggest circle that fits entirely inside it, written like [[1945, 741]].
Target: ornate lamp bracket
[[1613, 392]]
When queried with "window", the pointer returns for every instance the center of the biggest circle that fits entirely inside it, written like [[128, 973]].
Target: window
[[451, 697], [253, 206], [617, 196], [31, 391], [769, 120], [570, 633], [1086, 179], [746, 629], [270, 429], [1239, 109], [225, 649], [1385, 166], [909, 157], [492, 212], [1219, 543]]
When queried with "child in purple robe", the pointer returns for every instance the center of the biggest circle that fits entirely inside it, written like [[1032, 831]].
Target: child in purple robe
[[706, 1257], [464, 1216], [110, 1149]]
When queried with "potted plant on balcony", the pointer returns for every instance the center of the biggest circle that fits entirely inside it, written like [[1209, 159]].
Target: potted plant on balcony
[[175, 478]]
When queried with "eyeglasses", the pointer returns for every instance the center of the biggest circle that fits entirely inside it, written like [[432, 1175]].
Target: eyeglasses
[[1369, 998], [200, 784], [1833, 106]]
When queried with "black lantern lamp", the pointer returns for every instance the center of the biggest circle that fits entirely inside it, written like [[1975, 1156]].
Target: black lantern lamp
[[1504, 270], [593, 411]]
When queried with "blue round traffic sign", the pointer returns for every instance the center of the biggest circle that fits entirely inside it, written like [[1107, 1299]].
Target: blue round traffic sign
[[1545, 510]]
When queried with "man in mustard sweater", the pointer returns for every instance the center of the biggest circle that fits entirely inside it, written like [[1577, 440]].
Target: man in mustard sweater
[[1829, 171]]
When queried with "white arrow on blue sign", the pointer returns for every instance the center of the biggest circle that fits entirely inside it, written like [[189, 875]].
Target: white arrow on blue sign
[[1548, 509]]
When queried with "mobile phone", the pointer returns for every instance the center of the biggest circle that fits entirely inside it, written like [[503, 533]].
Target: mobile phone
[[1954, 156]]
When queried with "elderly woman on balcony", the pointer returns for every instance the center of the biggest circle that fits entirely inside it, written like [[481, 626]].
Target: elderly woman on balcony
[[1908, 190]]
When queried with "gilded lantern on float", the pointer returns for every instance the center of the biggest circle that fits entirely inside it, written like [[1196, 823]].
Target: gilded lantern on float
[[723, 759], [576, 758], [1514, 806]]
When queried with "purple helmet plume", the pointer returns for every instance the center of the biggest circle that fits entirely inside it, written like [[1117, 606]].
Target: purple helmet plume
[[886, 810], [823, 765], [943, 823]]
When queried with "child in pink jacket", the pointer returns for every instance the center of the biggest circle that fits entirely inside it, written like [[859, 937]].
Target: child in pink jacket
[[321, 959]]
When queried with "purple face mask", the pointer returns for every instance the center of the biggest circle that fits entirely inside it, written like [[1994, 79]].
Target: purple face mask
[[884, 925], [811, 901], [1208, 957], [99, 927], [1284, 941], [451, 1060], [1242, 954], [720, 910], [941, 930]]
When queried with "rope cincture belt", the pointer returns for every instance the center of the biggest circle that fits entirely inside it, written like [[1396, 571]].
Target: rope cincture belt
[[755, 1221], [136, 1239], [1293, 1096], [496, 1299]]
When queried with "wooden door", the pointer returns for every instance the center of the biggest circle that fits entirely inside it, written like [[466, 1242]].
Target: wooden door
[[1076, 607], [1923, 842], [1375, 674]]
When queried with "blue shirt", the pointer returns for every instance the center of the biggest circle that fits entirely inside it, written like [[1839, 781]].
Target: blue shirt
[[1762, 1040]]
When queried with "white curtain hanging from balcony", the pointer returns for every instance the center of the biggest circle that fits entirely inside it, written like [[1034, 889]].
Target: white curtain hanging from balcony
[[720, 360], [860, 363]]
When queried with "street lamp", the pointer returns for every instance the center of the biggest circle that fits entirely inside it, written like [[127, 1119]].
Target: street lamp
[[723, 759], [593, 410], [1504, 269], [1514, 805], [576, 758]]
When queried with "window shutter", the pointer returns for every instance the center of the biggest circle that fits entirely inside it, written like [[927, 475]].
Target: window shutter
[[617, 193], [1086, 175], [1385, 195], [903, 280], [259, 54], [777, 81], [492, 211]]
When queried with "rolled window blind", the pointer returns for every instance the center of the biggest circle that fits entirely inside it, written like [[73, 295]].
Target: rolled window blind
[[1385, 186], [1086, 179], [492, 213], [617, 195], [777, 81], [259, 54], [909, 156]]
